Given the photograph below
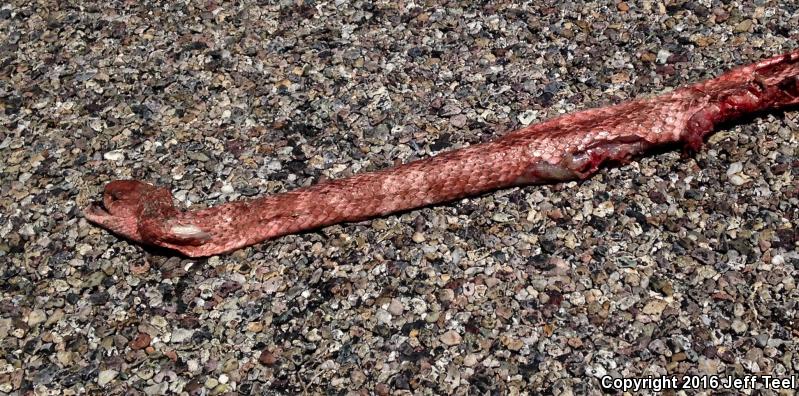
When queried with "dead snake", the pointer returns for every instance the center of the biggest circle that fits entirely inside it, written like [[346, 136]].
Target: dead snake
[[569, 147]]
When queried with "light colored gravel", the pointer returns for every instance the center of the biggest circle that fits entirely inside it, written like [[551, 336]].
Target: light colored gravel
[[672, 264]]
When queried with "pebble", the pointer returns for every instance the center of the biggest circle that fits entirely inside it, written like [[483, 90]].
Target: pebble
[[501, 217], [471, 360], [106, 376], [527, 117], [36, 317], [395, 307], [458, 121], [383, 316], [141, 341], [181, 335], [734, 168], [115, 155], [654, 307], [662, 56], [743, 26], [739, 326], [197, 156], [64, 357], [450, 338], [267, 358], [603, 209], [738, 180]]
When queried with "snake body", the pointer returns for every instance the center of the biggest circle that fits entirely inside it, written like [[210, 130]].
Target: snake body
[[569, 147]]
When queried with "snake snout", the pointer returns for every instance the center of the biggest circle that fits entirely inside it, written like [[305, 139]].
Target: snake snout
[[97, 209], [96, 213]]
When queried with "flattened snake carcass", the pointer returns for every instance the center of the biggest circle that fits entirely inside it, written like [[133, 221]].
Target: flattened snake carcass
[[569, 147]]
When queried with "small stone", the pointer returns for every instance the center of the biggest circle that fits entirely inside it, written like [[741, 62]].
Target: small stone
[[64, 357], [395, 307], [96, 125], [501, 217], [597, 371], [313, 335], [357, 377], [106, 376], [158, 321], [255, 327], [450, 110], [623, 7], [145, 373], [603, 209], [648, 57], [382, 390], [663, 56], [35, 317], [734, 168], [115, 155], [418, 237], [418, 306], [743, 26], [141, 341], [738, 180], [383, 316], [6, 326], [458, 121], [267, 358], [197, 156], [512, 343], [431, 317], [139, 269], [734, 174], [655, 307], [450, 338], [171, 354], [739, 326], [181, 335], [708, 366], [527, 117], [220, 389], [157, 389], [662, 285], [721, 14]]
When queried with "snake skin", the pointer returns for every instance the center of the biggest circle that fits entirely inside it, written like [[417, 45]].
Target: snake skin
[[570, 147]]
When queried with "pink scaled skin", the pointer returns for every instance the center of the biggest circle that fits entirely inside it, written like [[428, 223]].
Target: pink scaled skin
[[570, 147]]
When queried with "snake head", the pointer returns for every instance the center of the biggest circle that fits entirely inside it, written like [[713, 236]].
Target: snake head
[[146, 214], [123, 205], [770, 83]]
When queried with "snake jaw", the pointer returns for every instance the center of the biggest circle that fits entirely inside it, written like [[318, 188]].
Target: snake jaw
[[123, 205], [125, 226], [146, 214]]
